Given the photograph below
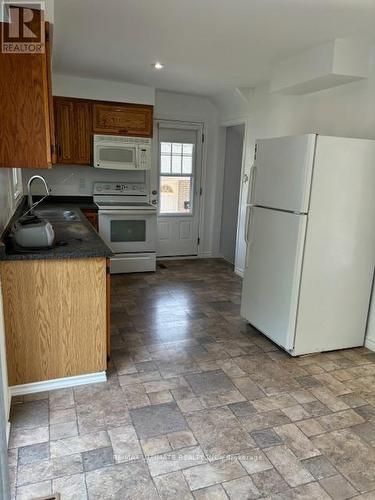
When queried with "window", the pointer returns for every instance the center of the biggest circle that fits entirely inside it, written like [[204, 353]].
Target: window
[[176, 178], [17, 183]]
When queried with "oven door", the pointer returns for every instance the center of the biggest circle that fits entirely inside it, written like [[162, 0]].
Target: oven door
[[115, 156], [128, 231]]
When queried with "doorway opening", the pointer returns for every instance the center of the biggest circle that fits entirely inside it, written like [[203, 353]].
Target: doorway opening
[[234, 153]]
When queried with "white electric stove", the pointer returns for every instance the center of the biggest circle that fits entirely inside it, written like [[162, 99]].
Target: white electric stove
[[127, 223]]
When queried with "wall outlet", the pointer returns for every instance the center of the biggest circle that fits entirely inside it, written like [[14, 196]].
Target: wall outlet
[[82, 183]]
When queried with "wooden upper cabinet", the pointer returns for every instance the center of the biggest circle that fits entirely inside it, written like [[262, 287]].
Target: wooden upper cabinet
[[73, 118], [123, 119], [51, 116], [83, 142], [64, 121], [26, 118]]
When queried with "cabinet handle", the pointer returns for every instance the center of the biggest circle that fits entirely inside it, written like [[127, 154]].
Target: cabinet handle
[[59, 149], [123, 130]]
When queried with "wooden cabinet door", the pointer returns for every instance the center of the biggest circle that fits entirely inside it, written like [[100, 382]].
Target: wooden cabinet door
[[123, 119], [64, 120], [83, 132], [25, 124], [73, 118], [49, 30]]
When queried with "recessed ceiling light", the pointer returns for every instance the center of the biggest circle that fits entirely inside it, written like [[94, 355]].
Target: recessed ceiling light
[[158, 65]]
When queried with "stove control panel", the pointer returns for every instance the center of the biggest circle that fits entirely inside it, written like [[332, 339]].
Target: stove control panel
[[103, 188]]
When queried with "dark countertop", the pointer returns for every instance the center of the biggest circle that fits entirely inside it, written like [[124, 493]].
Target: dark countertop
[[82, 202], [74, 239]]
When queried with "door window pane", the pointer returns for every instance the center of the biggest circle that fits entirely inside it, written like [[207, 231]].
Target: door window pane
[[128, 231], [187, 164], [176, 164], [165, 147], [165, 164], [188, 149], [176, 148], [176, 195]]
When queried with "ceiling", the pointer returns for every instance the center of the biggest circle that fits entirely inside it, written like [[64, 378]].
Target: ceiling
[[207, 46]]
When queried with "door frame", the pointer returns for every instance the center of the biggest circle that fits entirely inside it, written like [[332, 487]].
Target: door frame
[[239, 270], [199, 179], [4, 411]]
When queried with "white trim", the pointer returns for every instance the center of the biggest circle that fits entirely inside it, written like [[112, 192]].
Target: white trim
[[58, 383], [17, 184], [240, 272], [370, 344], [242, 120], [242, 194], [209, 255], [178, 257], [7, 430]]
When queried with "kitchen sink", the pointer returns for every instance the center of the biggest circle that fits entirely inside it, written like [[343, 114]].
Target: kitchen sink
[[58, 215]]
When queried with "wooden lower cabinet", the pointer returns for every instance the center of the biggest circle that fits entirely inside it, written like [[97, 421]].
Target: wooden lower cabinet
[[92, 216], [55, 315], [108, 309]]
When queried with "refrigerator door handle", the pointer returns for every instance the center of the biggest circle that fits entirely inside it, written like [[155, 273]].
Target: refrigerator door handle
[[251, 184], [246, 233]]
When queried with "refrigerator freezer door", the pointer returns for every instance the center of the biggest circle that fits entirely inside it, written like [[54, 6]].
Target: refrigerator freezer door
[[283, 172], [272, 277]]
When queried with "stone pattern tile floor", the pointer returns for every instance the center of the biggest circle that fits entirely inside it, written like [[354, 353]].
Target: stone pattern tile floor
[[199, 405]]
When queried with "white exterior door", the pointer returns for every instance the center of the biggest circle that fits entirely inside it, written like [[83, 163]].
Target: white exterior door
[[273, 272], [282, 172], [179, 161]]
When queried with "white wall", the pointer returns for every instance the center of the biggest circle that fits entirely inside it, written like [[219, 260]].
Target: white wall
[[104, 90], [231, 191], [182, 107], [7, 202], [65, 180], [347, 110]]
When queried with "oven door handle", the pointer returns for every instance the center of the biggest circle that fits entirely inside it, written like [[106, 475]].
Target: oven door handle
[[125, 213]]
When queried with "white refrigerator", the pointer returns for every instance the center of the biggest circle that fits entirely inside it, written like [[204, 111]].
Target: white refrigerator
[[310, 233]]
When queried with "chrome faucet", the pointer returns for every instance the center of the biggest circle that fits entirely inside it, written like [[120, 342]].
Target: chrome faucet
[[29, 195]]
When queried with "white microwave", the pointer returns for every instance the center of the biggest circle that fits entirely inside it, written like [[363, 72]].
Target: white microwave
[[122, 153]]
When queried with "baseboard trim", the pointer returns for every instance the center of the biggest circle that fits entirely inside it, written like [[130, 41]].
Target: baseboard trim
[[370, 344], [207, 255], [57, 383], [239, 272], [177, 257], [7, 430]]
